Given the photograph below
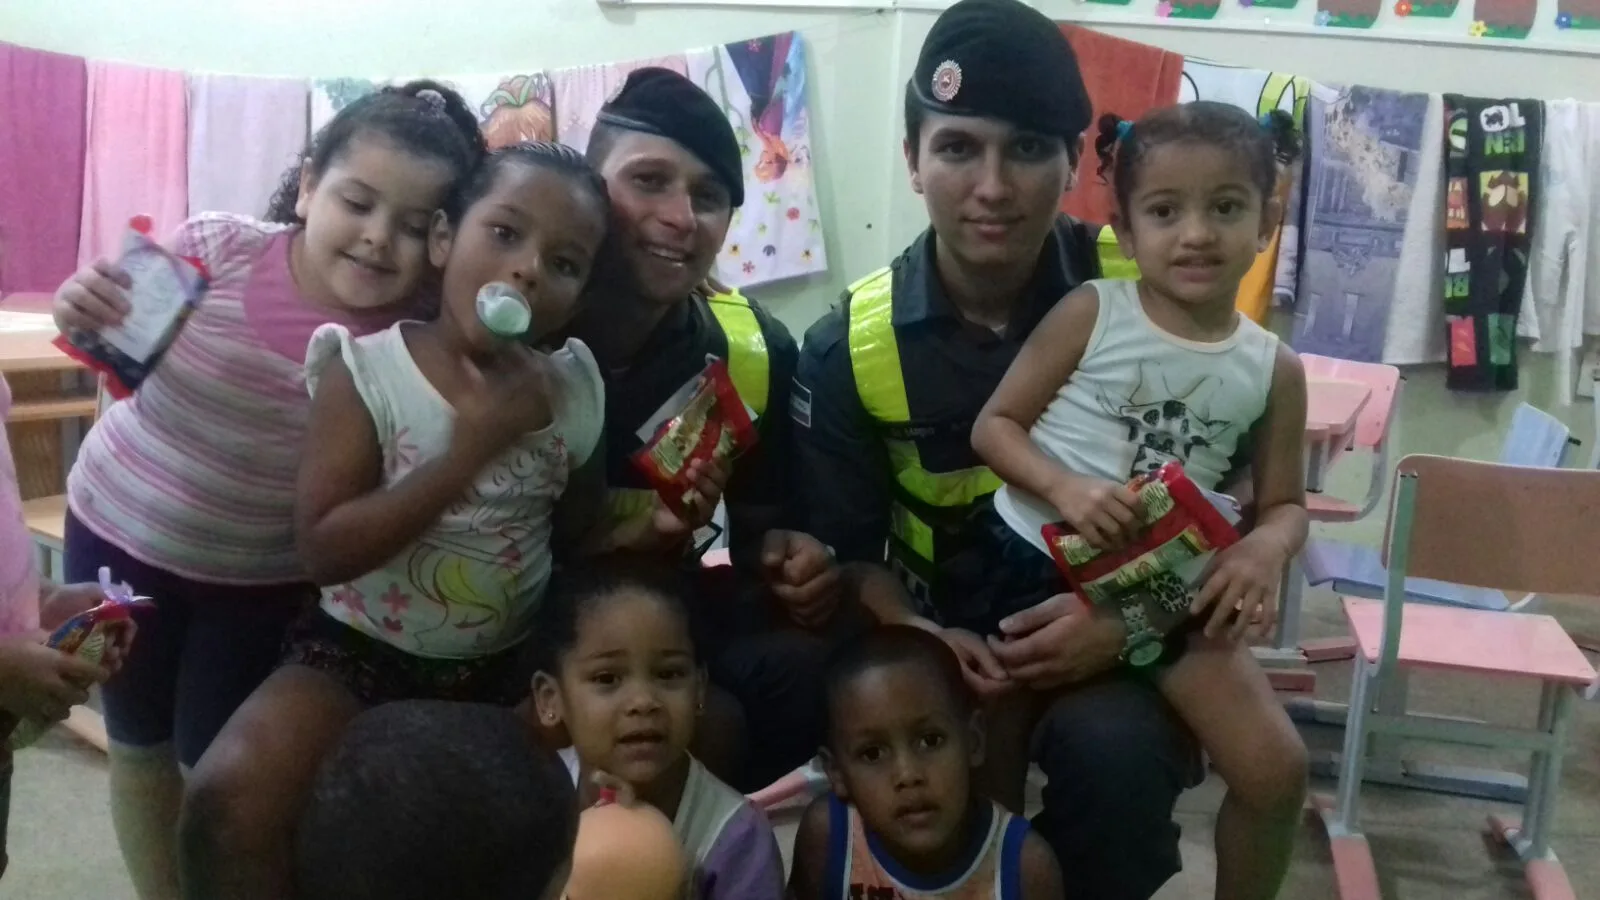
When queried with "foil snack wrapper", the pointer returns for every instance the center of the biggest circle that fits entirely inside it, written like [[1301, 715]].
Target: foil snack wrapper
[[165, 290], [713, 425], [1152, 579], [87, 635]]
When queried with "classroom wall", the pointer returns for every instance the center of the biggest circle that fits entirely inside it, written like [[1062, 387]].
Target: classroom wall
[[860, 59]]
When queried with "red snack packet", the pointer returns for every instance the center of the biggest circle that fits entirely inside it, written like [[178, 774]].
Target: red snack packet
[[88, 635], [165, 290], [1181, 527], [712, 424]]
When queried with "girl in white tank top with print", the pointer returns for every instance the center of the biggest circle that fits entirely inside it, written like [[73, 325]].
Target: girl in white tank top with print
[[1123, 377]]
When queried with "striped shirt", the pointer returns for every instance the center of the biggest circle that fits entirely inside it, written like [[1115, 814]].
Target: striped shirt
[[195, 473]]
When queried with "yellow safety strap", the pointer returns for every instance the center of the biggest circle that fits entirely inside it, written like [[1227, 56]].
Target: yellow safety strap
[[1112, 263], [880, 382], [747, 348]]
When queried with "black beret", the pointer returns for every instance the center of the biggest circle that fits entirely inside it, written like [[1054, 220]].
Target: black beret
[[662, 102], [1005, 60]]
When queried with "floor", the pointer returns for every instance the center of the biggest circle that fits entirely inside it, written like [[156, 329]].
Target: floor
[[1428, 847]]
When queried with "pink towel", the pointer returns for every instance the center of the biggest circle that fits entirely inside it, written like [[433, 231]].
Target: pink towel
[[41, 156], [243, 134], [581, 90], [136, 161]]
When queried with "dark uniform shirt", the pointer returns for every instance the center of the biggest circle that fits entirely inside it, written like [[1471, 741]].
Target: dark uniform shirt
[[675, 353], [950, 367]]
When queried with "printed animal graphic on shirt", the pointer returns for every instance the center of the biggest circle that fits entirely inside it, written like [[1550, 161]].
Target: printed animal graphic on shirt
[[1165, 422]]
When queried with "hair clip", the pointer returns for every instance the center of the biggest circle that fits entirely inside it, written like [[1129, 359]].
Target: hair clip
[[432, 98], [1266, 120], [1124, 128]]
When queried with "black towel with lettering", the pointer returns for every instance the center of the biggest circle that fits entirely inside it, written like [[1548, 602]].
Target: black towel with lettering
[[1491, 184]]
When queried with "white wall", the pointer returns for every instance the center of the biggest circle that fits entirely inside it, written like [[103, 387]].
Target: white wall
[[859, 60]]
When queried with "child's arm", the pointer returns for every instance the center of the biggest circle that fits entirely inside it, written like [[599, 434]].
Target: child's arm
[[1041, 874], [810, 853], [1105, 513], [1246, 576], [346, 522]]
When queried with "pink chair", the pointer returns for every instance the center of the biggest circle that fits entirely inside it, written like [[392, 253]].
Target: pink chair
[[1490, 525], [1371, 432]]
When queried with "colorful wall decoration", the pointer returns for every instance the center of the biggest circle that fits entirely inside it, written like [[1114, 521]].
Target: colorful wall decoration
[[1503, 18], [1348, 13], [1578, 14]]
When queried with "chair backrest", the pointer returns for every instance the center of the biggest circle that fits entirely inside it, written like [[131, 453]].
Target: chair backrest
[[1372, 425], [1535, 438], [1513, 528]]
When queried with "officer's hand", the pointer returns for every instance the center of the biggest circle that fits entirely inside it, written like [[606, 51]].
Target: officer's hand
[[803, 575], [1060, 641]]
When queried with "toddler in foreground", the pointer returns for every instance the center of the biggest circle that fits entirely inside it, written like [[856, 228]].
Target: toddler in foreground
[[431, 800], [619, 671], [903, 821]]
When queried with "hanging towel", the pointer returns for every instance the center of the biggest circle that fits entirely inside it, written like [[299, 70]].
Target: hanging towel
[[1123, 77], [1561, 300], [1415, 333], [136, 156], [1492, 165], [510, 108], [1257, 92], [1364, 144], [41, 156], [1286, 276], [761, 87], [581, 91], [244, 133]]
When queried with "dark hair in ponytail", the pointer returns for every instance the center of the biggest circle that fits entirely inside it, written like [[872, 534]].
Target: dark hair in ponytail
[[422, 117], [1265, 143]]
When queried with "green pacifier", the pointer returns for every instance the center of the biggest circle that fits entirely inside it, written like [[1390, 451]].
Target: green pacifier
[[502, 310]]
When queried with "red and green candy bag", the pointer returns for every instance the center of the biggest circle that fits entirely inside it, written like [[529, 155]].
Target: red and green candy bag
[[1150, 580], [713, 425]]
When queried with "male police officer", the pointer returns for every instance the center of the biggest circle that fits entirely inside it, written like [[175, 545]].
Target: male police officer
[[890, 381]]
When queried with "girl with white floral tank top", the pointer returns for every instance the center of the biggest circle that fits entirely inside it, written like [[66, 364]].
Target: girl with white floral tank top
[[186, 488], [438, 462]]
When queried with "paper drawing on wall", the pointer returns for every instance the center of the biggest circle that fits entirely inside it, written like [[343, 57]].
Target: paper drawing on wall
[[1505, 18], [1578, 14], [1428, 9], [1192, 9], [1367, 142], [761, 87], [518, 109], [1348, 13]]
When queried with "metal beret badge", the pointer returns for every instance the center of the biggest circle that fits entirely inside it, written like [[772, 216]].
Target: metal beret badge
[[946, 81]]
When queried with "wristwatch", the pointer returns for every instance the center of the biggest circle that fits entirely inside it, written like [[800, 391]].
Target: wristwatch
[[1144, 645]]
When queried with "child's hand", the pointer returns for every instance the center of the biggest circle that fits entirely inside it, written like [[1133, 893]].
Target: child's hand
[[58, 603], [802, 574], [708, 479], [501, 403], [979, 667], [92, 298], [61, 602], [1106, 513], [37, 682], [1242, 582]]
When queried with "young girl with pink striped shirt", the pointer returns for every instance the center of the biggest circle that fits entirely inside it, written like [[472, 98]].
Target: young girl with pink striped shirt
[[187, 488]]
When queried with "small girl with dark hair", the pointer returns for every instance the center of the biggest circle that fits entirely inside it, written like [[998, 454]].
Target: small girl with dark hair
[[619, 671], [1122, 377], [438, 458], [186, 489]]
